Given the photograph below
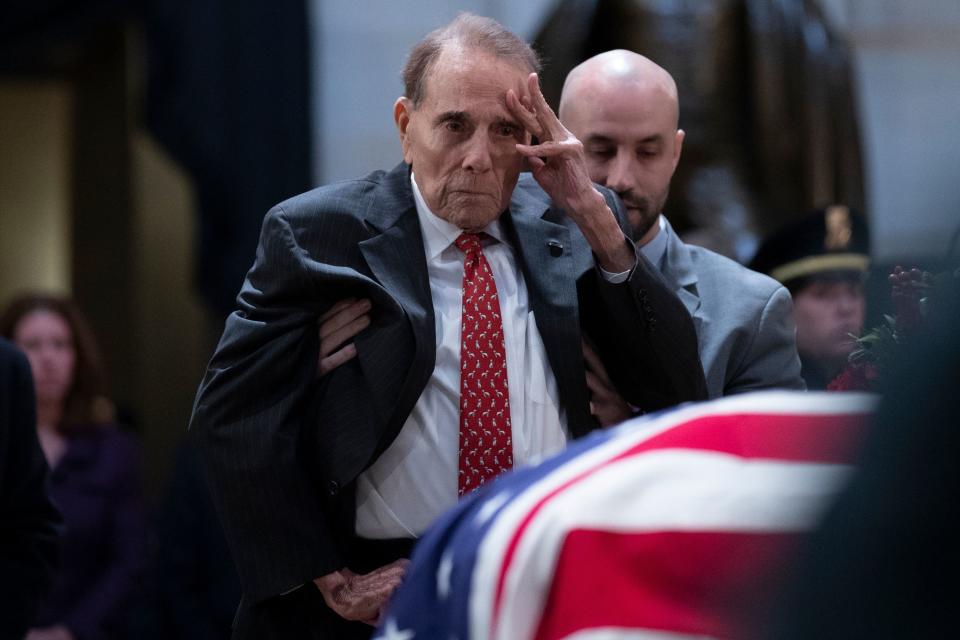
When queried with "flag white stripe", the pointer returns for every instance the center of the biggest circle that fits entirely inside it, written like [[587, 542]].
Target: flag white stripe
[[692, 490]]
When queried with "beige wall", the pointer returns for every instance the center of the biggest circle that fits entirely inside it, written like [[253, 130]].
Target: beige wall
[[173, 337], [907, 59], [34, 186], [170, 334]]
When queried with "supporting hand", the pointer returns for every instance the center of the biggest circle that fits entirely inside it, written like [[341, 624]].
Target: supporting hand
[[362, 598], [606, 405], [340, 324]]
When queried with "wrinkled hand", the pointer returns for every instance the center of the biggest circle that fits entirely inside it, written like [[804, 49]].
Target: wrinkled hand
[[560, 168], [362, 598], [58, 632], [558, 162], [340, 324], [606, 405]]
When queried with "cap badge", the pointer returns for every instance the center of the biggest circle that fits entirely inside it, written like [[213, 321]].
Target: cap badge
[[839, 228]]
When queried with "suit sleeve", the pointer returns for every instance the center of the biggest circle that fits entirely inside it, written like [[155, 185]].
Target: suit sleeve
[[29, 550], [644, 334], [771, 360], [249, 419]]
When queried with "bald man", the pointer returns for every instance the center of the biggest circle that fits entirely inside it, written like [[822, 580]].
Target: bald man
[[625, 111]]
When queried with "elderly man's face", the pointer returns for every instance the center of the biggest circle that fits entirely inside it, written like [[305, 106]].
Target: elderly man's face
[[461, 140], [632, 145]]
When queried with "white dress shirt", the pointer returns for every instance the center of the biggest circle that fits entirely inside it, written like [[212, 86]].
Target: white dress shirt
[[415, 479]]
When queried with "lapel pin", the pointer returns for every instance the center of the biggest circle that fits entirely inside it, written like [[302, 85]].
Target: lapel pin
[[556, 249]]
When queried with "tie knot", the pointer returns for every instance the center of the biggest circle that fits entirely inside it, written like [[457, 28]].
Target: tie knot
[[468, 242]]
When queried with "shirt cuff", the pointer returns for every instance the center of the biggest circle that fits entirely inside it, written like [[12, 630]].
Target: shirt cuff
[[614, 278], [623, 276]]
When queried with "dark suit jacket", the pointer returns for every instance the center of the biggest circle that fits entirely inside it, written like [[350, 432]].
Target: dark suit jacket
[[281, 454], [28, 520], [197, 584]]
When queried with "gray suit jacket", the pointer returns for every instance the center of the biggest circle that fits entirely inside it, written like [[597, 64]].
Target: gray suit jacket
[[281, 451], [744, 320]]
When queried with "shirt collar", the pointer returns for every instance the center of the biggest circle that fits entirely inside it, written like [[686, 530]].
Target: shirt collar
[[657, 247], [438, 234]]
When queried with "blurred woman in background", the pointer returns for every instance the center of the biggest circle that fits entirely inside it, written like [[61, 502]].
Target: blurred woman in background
[[95, 473]]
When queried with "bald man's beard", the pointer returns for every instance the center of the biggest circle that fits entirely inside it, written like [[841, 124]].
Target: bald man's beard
[[642, 211]]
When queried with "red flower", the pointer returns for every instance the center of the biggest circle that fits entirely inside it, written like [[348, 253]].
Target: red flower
[[856, 377]]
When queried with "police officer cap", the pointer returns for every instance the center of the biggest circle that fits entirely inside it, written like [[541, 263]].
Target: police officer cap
[[830, 241]]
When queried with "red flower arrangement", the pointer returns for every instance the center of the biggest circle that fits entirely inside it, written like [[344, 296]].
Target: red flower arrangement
[[909, 290]]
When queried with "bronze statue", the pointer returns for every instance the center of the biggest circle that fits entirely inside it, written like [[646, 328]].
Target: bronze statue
[[766, 101]]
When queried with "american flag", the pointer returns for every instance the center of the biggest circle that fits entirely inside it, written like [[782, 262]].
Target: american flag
[[669, 526]]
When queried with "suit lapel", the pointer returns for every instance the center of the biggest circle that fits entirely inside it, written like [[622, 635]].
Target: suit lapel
[[396, 258], [543, 248], [678, 271]]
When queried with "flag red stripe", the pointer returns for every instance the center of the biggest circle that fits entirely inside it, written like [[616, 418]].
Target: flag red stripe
[[700, 583], [830, 438]]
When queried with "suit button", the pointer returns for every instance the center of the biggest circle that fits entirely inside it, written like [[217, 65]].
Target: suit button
[[333, 488]]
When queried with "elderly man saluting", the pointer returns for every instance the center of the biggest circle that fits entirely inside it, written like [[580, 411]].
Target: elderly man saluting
[[482, 287]]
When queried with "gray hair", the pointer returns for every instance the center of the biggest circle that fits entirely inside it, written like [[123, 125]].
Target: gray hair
[[468, 30]]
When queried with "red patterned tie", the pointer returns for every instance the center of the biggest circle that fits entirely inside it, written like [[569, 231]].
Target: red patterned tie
[[486, 437]]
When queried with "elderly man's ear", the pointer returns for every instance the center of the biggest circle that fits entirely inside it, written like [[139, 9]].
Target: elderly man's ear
[[402, 110]]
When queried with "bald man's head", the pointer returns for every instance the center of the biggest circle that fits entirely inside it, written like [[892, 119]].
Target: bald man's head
[[611, 71], [624, 109]]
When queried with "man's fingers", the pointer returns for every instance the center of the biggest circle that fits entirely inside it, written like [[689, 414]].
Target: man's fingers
[[589, 356], [536, 164], [340, 315], [391, 572], [545, 116], [346, 302], [337, 338], [594, 363], [402, 563], [331, 355], [545, 149], [594, 384], [336, 359], [522, 111], [382, 577], [363, 598]]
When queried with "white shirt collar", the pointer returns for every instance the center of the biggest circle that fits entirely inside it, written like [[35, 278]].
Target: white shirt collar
[[657, 247], [438, 234]]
